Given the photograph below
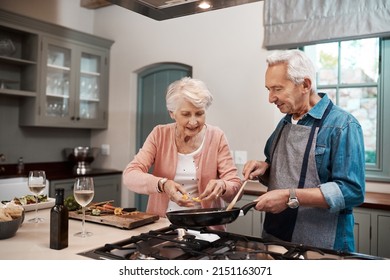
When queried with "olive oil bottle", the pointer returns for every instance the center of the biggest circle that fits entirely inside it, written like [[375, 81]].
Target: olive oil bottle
[[59, 222]]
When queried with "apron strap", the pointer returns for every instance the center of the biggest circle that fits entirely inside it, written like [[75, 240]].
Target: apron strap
[[317, 123]]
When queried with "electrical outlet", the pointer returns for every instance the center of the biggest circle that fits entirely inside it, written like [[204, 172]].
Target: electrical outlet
[[240, 157], [105, 150]]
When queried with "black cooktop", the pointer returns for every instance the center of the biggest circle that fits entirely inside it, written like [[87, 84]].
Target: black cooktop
[[175, 243]]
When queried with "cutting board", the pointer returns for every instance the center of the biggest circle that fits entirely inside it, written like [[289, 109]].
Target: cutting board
[[127, 221]]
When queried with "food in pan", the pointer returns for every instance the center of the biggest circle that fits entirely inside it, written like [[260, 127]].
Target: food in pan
[[186, 197]]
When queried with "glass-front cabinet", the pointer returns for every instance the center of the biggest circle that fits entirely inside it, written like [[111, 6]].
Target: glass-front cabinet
[[57, 63], [75, 91], [90, 85]]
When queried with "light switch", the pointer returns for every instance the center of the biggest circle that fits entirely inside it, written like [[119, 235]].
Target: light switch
[[240, 157], [105, 150]]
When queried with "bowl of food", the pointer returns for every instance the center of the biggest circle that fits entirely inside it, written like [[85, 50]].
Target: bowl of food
[[11, 218]]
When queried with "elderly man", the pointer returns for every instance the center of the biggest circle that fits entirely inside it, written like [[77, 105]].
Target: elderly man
[[314, 166]]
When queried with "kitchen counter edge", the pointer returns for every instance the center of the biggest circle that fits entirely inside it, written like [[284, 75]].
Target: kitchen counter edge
[[55, 171], [372, 200]]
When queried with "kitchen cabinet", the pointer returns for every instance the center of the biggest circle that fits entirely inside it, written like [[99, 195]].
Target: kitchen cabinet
[[18, 61], [362, 231], [251, 224], [107, 187], [383, 235], [61, 73], [74, 86], [372, 231]]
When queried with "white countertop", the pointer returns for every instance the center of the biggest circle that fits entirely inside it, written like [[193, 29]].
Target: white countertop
[[32, 240]]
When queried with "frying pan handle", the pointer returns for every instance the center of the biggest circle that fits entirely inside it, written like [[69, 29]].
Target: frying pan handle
[[248, 206]]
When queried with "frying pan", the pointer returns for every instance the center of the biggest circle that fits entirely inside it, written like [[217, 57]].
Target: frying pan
[[207, 216]]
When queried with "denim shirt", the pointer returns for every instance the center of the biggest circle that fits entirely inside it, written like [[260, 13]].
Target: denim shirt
[[340, 161]]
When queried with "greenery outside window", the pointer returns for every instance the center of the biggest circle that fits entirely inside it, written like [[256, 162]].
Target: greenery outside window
[[353, 74]]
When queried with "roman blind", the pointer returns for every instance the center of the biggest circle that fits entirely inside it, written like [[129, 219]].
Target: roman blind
[[293, 23]]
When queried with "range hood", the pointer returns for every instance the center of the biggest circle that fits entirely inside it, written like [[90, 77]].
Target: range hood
[[167, 9]]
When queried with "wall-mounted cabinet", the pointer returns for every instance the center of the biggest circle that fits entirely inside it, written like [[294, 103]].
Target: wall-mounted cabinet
[[18, 62], [62, 73], [74, 87]]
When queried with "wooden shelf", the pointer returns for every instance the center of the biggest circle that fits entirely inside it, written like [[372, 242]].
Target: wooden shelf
[[16, 61], [18, 92]]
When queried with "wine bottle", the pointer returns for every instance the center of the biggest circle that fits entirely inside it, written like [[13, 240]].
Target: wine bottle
[[59, 222]]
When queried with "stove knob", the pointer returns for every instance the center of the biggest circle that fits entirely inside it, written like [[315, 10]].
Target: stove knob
[[188, 237], [180, 233]]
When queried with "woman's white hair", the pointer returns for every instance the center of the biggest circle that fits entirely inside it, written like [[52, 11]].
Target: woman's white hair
[[299, 66], [192, 90]]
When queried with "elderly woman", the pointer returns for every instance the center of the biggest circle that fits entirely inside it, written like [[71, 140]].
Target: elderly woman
[[193, 166]]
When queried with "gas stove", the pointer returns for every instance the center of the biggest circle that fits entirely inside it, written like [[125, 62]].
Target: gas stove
[[175, 243]]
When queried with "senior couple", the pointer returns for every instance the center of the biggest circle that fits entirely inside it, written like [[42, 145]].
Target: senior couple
[[313, 167]]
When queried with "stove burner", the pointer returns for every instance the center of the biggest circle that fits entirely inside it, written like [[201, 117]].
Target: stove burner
[[237, 256], [148, 252], [173, 243]]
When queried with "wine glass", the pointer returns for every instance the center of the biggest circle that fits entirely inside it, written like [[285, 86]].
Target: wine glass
[[36, 183], [83, 191]]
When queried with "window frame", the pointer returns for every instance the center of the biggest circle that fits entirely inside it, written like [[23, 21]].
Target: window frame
[[379, 171]]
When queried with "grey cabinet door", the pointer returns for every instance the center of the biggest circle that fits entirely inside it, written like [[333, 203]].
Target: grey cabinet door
[[372, 232], [106, 188], [151, 109], [383, 235], [362, 231], [67, 185], [250, 224]]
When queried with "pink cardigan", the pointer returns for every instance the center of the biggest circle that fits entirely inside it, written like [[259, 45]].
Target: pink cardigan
[[214, 162]]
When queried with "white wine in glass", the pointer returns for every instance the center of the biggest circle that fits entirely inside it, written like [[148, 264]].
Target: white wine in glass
[[83, 191], [36, 183]]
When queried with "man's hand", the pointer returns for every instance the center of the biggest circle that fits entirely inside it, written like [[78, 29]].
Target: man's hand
[[253, 169]]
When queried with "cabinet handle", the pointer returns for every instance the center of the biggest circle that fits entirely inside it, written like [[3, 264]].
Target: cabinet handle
[[78, 118], [72, 118]]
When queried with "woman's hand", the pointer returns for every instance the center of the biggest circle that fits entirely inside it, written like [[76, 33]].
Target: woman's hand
[[177, 194], [214, 189], [253, 169]]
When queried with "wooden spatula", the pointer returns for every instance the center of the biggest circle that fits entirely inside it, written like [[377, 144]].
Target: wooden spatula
[[233, 202]]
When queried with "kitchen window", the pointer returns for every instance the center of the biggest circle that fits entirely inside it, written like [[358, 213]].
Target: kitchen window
[[355, 75]]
